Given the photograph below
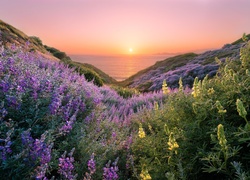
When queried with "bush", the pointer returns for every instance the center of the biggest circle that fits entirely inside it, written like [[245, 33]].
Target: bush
[[202, 135]]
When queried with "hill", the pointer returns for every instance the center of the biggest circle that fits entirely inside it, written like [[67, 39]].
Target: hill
[[10, 36], [185, 66]]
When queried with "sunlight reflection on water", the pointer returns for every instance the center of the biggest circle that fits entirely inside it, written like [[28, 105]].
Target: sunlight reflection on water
[[120, 67]]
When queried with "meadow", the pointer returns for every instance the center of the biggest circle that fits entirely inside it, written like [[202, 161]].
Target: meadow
[[57, 125]]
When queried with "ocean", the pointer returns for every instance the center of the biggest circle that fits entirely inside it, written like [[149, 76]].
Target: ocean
[[120, 67]]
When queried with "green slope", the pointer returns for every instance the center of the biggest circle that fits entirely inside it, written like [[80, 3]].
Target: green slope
[[10, 35]]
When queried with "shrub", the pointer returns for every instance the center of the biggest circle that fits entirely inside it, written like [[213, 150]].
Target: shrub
[[202, 135]]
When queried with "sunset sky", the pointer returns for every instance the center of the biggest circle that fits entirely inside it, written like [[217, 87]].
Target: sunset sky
[[130, 26]]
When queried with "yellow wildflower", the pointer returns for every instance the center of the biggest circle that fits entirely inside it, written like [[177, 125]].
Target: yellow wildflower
[[220, 108], [165, 89], [210, 91], [173, 145], [141, 132], [222, 137], [145, 175], [156, 106], [196, 88], [241, 109], [180, 85]]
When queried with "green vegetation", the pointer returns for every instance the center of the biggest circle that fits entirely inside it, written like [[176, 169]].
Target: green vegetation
[[203, 135], [145, 86], [241, 39], [90, 72], [125, 92], [11, 35], [56, 125], [58, 54], [212, 59], [104, 77], [175, 62]]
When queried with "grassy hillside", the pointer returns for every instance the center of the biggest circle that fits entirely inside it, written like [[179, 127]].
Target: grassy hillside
[[9, 36], [186, 66], [90, 72], [56, 125], [240, 40], [167, 64]]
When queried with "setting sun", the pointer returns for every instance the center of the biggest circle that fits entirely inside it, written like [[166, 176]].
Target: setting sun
[[130, 50]]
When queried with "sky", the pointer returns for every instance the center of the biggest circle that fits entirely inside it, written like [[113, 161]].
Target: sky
[[130, 26]]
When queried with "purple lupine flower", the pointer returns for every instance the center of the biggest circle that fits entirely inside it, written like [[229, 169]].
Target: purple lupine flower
[[41, 150], [26, 138], [66, 166], [113, 135], [5, 149], [48, 86], [3, 113], [35, 84], [110, 172], [91, 168], [91, 165], [5, 86], [61, 89], [38, 150], [128, 142], [66, 128], [41, 172], [12, 101], [56, 103], [10, 61], [13, 47], [90, 117]]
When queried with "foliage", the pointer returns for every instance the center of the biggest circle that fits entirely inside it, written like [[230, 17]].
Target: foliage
[[125, 92], [56, 125], [37, 40]]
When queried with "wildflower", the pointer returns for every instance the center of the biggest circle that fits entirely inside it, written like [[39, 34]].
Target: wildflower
[[110, 172], [6, 149], [41, 171], [141, 132], [241, 109], [66, 165], [145, 175], [180, 85], [221, 137], [156, 106], [150, 128], [210, 91], [196, 88], [91, 164], [113, 135], [220, 108], [173, 145], [165, 89], [56, 103]]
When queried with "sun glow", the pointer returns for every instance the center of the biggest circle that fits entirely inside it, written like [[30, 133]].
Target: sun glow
[[130, 50]]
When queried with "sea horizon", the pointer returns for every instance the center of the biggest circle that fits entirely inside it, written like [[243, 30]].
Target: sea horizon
[[120, 67]]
